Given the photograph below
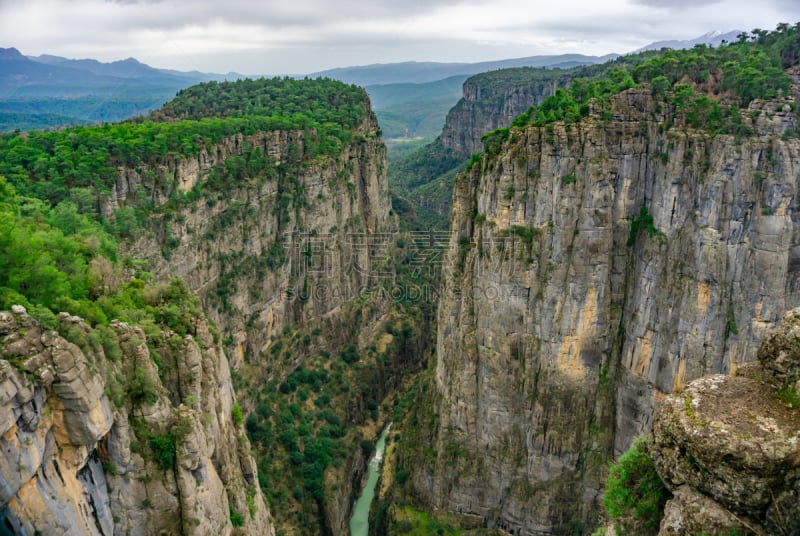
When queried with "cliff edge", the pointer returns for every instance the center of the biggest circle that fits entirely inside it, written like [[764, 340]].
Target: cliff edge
[[728, 448]]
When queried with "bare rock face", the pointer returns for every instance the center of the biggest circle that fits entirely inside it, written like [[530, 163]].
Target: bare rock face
[[779, 354], [691, 512], [294, 246], [593, 269], [79, 456], [276, 251], [732, 445], [493, 100]]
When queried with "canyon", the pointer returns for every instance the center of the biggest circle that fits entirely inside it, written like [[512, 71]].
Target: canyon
[[608, 273]]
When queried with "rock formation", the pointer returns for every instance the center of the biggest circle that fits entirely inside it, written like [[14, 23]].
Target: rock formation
[[493, 100], [265, 254], [100, 439], [594, 268], [277, 232], [728, 448]]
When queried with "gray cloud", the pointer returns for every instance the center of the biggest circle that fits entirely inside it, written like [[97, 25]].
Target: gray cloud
[[273, 36], [666, 4], [276, 13]]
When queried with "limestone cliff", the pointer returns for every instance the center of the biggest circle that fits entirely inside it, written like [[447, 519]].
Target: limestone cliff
[[493, 100], [594, 268], [728, 449], [279, 240], [125, 434], [281, 249]]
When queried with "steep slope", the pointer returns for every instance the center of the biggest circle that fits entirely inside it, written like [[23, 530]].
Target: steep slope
[[597, 263], [490, 101], [493, 100], [286, 234]]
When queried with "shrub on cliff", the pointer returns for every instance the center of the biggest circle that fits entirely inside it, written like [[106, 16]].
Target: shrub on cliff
[[635, 496]]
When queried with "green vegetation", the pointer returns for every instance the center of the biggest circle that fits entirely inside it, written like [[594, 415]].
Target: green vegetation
[[751, 69], [304, 421], [421, 167], [53, 165], [568, 179], [56, 259], [425, 178], [415, 522], [33, 113], [303, 425], [790, 397], [10, 121], [237, 519], [635, 496], [731, 324], [142, 389], [59, 252], [236, 414], [398, 149], [163, 447], [642, 222], [702, 87]]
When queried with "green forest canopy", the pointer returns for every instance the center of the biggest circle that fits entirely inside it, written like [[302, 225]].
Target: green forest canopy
[[47, 165], [708, 85]]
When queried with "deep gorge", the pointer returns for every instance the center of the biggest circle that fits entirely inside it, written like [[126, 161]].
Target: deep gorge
[[249, 300]]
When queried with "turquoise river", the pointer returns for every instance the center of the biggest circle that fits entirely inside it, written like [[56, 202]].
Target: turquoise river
[[359, 523]]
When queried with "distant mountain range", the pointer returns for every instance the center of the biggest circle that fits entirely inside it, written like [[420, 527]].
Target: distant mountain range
[[49, 91], [422, 72], [54, 76], [714, 39]]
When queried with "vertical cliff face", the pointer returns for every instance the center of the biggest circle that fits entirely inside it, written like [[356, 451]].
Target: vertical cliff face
[[492, 100], [268, 252], [109, 438], [285, 257], [592, 269]]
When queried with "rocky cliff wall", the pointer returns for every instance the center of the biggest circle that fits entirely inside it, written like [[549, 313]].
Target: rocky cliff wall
[[296, 243], [106, 439], [592, 269], [488, 105], [276, 250]]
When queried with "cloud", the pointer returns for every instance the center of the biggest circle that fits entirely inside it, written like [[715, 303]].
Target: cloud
[[668, 4], [275, 13], [273, 36]]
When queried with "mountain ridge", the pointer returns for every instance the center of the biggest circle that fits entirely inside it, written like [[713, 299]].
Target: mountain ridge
[[421, 72]]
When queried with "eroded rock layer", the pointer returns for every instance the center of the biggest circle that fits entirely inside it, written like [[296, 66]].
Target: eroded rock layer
[[114, 444]]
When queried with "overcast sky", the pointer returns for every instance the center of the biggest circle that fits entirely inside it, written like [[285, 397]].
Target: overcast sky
[[302, 36]]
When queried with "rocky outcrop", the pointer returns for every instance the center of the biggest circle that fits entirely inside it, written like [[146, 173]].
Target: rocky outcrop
[[100, 439], [594, 268], [493, 100], [729, 447]]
